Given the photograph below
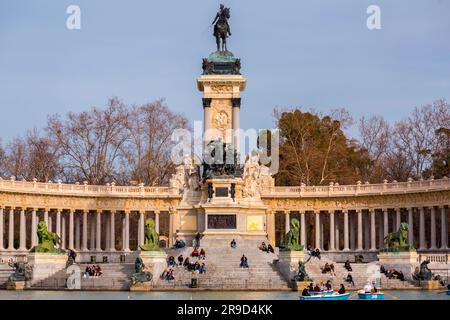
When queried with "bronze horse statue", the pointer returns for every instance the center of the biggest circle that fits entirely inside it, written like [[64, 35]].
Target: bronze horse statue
[[222, 28]]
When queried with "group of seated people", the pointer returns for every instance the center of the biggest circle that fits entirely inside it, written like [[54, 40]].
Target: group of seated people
[[244, 262], [266, 248], [392, 273], [93, 271], [201, 254], [179, 244], [314, 252], [193, 266], [317, 289], [168, 274], [329, 268]]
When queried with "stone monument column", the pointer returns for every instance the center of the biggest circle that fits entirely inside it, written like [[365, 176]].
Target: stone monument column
[[127, 231], [23, 235], [84, 242], [34, 228], [112, 225], [63, 231], [422, 229], [98, 233], [360, 231], [46, 217], [157, 222], [302, 229], [346, 231], [332, 232], [11, 230], [71, 230], [58, 222], [236, 103], [317, 231], [433, 228], [287, 222], [373, 245], [411, 227], [444, 232], [386, 222], [398, 218]]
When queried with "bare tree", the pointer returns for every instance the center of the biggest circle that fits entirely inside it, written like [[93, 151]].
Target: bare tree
[[147, 153], [90, 142]]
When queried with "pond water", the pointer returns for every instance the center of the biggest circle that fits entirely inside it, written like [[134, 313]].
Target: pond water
[[198, 295]]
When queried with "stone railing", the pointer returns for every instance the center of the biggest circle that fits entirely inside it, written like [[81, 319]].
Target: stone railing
[[336, 190], [434, 257], [109, 190]]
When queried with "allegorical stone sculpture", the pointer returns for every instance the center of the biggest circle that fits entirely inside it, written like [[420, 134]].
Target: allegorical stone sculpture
[[47, 241], [222, 28], [151, 237], [292, 242], [397, 241], [140, 276], [22, 272], [423, 273], [302, 275]]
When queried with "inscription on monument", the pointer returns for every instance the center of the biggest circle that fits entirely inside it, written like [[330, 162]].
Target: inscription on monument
[[222, 221], [222, 192]]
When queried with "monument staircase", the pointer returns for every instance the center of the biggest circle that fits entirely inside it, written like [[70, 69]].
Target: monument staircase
[[361, 273], [222, 267], [115, 276]]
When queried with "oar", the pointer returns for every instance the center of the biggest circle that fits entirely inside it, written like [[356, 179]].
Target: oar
[[390, 295]]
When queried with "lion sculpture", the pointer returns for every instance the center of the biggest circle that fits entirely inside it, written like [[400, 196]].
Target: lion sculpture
[[47, 241], [397, 241], [292, 242], [151, 240]]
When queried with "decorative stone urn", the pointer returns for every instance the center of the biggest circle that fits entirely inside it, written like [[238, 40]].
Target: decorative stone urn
[[405, 262]]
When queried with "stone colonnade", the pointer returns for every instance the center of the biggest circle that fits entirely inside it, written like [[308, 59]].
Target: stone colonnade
[[364, 230]]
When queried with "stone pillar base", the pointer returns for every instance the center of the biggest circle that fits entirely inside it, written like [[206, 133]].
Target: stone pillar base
[[288, 263], [45, 265], [15, 285], [405, 262], [430, 285], [142, 287], [155, 262]]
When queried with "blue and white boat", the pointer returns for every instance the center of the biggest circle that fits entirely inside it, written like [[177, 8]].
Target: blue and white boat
[[322, 296], [370, 295], [448, 292]]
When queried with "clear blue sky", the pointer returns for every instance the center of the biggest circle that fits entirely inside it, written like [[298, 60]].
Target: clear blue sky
[[310, 53]]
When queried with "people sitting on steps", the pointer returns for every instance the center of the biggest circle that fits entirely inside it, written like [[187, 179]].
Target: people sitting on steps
[[244, 262], [349, 279], [179, 244], [329, 268], [71, 256], [314, 253], [395, 274], [233, 244], [347, 266], [195, 253], [180, 259], [168, 274], [171, 262], [202, 255], [270, 249], [187, 263], [196, 241], [341, 289], [93, 271], [262, 247]]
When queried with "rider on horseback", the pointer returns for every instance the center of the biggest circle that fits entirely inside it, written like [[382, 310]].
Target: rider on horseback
[[222, 28]]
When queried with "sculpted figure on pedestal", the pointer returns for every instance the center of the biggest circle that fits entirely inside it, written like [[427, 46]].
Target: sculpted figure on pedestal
[[256, 176], [47, 240]]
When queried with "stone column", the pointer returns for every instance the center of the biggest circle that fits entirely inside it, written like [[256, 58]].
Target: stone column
[[411, 227], [46, 217], [398, 218], [302, 229], [346, 232], [58, 222], [112, 225], [317, 225], [63, 231], [235, 124], [71, 230], [98, 233], [107, 222], [50, 223], [11, 230], [352, 231], [360, 235], [84, 242], [92, 220], [1, 229], [157, 222], [33, 230], [287, 220], [422, 229], [386, 222], [77, 231], [141, 229], [337, 233], [332, 234], [444, 232], [171, 230], [207, 120], [433, 228], [23, 235], [127, 232], [373, 238]]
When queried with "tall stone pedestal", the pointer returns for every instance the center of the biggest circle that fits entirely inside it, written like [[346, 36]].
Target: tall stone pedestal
[[288, 263], [15, 285], [405, 262], [155, 262], [45, 265]]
